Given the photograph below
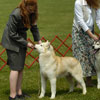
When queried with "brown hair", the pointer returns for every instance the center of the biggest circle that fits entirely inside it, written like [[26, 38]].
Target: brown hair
[[25, 14], [93, 3]]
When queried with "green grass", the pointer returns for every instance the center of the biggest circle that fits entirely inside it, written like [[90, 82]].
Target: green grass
[[55, 18]]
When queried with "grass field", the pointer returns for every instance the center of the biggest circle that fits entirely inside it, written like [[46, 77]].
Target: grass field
[[55, 18]]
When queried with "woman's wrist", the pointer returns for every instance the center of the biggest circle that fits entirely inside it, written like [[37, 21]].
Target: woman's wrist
[[39, 42], [92, 35]]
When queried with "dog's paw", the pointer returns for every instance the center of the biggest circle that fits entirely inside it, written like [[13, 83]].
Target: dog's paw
[[98, 87], [69, 92], [41, 96], [52, 97], [84, 92]]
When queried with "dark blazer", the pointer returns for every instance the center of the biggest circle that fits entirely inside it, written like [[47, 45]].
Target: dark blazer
[[14, 35]]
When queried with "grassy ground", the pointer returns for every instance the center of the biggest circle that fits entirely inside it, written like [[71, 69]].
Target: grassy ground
[[55, 18]]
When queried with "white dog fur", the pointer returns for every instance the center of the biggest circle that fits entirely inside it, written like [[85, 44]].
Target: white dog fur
[[96, 46], [52, 67]]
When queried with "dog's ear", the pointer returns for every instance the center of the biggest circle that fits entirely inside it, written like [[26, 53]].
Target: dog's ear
[[47, 43], [94, 42]]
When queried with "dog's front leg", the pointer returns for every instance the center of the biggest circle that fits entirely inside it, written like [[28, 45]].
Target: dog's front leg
[[43, 86], [53, 87]]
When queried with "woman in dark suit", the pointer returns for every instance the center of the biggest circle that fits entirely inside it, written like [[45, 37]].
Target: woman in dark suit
[[22, 18]]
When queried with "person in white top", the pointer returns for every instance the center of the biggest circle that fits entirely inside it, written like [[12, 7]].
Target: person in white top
[[86, 12]]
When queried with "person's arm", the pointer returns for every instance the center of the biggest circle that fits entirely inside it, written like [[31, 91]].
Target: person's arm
[[12, 26], [79, 16], [81, 22], [35, 33], [98, 18], [92, 35]]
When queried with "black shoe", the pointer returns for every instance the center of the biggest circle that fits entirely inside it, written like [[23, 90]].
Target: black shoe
[[10, 98], [16, 98], [23, 96], [20, 97]]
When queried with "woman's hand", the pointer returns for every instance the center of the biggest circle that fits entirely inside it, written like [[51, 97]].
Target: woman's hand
[[95, 37], [39, 42], [92, 35], [30, 45]]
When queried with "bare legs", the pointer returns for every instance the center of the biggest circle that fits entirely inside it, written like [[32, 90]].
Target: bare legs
[[19, 82], [15, 83]]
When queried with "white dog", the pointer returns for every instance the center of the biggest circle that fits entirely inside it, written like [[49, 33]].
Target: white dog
[[96, 46], [52, 67]]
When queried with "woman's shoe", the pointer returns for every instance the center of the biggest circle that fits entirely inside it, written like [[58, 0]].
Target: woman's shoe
[[22, 96], [16, 98], [10, 98]]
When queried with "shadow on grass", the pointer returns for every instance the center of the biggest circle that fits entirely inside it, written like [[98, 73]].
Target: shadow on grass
[[25, 91], [30, 91], [7, 92], [94, 81], [59, 92], [64, 92]]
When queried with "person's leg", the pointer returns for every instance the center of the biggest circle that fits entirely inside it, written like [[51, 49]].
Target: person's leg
[[20, 94], [89, 81], [19, 82], [13, 83]]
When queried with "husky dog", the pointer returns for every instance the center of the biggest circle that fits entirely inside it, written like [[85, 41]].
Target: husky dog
[[52, 67], [96, 46]]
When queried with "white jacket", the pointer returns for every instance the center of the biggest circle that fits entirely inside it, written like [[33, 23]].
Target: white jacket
[[85, 16]]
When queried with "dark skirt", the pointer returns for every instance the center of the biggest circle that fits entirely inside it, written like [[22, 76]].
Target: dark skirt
[[16, 60]]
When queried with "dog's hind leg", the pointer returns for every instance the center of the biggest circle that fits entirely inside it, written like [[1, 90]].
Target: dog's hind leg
[[53, 87], [71, 83], [98, 83], [81, 82], [43, 86]]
